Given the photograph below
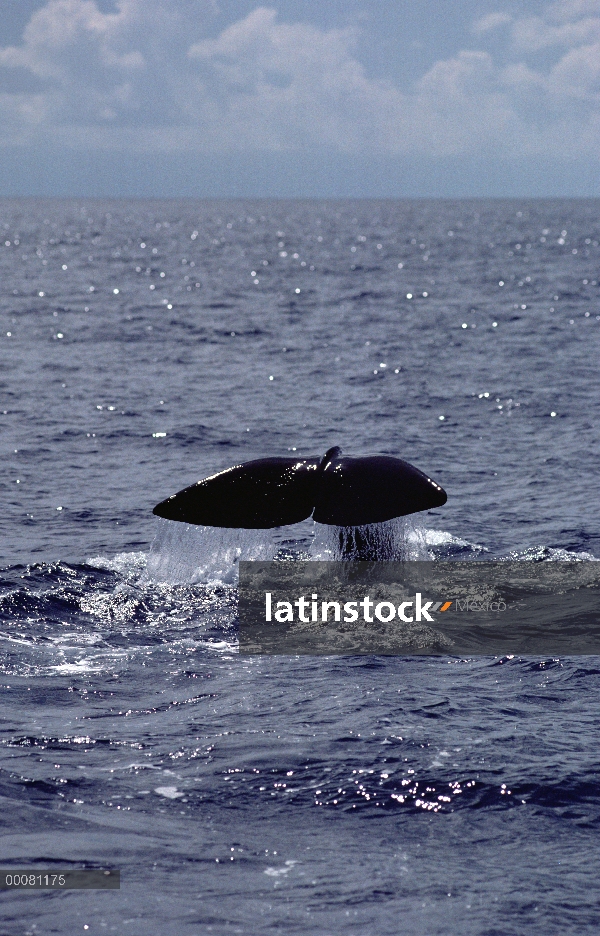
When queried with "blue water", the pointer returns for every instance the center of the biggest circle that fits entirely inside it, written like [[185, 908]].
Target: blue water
[[148, 344]]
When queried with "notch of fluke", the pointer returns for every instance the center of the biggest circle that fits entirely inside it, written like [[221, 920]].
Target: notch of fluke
[[340, 490]]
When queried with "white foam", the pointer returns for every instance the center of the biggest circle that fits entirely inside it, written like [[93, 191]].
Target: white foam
[[443, 538], [81, 666], [170, 792], [549, 554], [123, 563]]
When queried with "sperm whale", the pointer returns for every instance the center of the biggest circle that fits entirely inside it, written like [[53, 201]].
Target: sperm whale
[[337, 489]]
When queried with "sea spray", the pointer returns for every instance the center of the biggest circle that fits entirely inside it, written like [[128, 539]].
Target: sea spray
[[185, 554], [397, 540]]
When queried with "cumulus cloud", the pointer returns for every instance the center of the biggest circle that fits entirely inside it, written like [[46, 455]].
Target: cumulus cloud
[[122, 68], [150, 76], [577, 74], [294, 86]]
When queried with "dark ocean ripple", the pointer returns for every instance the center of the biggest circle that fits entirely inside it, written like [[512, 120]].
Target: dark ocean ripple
[[146, 344]]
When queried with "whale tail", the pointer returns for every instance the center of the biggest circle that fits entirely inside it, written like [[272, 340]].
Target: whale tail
[[337, 489]]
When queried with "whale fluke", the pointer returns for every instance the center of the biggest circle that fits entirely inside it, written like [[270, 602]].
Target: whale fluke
[[337, 489], [261, 494], [358, 491]]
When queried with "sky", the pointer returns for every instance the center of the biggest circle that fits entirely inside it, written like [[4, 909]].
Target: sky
[[300, 98]]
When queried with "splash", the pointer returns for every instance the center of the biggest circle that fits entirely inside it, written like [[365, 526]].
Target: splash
[[128, 565], [443, 545], [397, 540], [186, 554], [548, 554], [189, 554]]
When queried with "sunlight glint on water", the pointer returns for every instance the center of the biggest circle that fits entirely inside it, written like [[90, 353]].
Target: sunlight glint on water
[[357, 796]]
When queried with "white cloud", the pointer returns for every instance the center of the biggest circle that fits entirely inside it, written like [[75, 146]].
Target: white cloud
[[148, 77], [577, 74], [535, 33], [69, 38], [292, 85], [564, 10], [490, 22], [122, 68]]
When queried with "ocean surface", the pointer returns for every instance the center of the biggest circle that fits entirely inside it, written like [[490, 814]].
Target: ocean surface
[[147, 344]]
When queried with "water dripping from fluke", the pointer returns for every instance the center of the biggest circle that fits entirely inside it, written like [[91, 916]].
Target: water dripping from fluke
[[190, 554], [402, 539]]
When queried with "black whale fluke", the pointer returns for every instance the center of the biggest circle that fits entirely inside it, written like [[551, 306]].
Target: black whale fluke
[[337, 489], [268, 492], [358, 491]]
